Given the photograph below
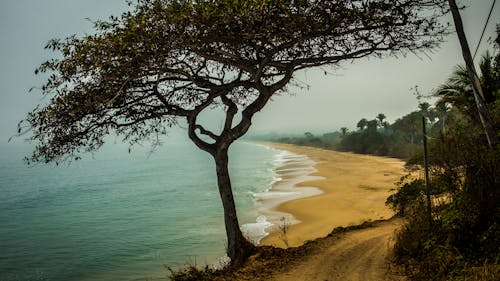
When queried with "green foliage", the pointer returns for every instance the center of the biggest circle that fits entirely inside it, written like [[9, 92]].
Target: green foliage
[[375, 136], [407, 192], [463, 241], [362, 124], [409, 127], [192, 273], [400, 139], [449, 248], [168, 60], [480, 273], [368, 141], [465, 232]]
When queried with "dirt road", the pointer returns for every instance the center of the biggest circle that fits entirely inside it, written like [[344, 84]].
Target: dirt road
[[351, 256]]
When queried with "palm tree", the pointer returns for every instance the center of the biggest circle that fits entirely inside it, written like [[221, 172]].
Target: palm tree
[[442, 114], [490, 76], [458, 92], [381, 118]]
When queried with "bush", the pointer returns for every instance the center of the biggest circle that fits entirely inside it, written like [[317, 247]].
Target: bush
[[192, 273], [408, 191]]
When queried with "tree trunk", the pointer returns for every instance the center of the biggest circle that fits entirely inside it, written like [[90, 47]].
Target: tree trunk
[[238, 248], [426, 169], [471, 71]]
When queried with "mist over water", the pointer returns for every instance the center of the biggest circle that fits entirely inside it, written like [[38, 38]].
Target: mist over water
[[120, 216]]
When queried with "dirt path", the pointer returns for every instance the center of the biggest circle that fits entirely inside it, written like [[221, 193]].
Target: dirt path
[[354, 255]]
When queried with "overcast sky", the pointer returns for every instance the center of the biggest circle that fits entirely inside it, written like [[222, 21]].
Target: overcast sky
[[360, 89]]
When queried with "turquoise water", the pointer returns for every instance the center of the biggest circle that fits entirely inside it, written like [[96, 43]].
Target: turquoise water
[[120, 216]]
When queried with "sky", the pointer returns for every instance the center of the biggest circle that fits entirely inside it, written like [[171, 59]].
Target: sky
[[355, 90]]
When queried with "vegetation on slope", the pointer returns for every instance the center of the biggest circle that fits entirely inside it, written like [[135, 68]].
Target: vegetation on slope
[[461, 241]]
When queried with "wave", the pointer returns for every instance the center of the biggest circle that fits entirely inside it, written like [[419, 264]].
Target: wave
[[288, 169], [257, 230]]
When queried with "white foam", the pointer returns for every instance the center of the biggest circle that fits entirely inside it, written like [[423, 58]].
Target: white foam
[[274, 194], [257, 230], [282, 157], [288, 169], [276, 179]]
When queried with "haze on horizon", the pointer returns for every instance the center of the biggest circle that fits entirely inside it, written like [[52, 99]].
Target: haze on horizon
[[323, 103]]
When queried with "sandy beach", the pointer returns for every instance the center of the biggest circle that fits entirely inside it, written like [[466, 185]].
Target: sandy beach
[[354, 189]]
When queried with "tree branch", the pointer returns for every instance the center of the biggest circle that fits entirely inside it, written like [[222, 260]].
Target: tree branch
[[206, 132], [232, 109], [210, 148], [192, 127]]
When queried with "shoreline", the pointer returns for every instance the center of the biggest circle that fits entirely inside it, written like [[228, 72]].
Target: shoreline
[[349, 189], [289, 170]]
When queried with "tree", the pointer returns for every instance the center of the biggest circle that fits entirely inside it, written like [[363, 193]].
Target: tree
[[386, 126], [424, 107], [410, 126], [344, 130], [479, 96], [442, 114], [372, 125], [308, 135], [458, 92], [362, 124], [381, 117], [169, 60]]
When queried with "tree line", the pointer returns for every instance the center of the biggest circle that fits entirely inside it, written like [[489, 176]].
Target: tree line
[[376, 136]]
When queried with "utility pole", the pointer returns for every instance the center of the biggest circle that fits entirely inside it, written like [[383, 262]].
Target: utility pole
[[426, 169], [471, 71]]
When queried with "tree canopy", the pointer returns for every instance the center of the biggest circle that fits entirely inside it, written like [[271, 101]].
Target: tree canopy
[[143, 70]]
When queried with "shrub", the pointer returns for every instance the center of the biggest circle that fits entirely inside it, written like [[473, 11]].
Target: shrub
[[407, 192]]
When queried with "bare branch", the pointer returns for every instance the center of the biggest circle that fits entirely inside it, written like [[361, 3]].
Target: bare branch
[[232, 109], [206, 132]]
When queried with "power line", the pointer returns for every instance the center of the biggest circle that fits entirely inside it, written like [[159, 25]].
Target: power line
[[484, 28]]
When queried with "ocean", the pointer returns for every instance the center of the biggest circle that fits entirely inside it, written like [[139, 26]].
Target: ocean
[[116, 215]]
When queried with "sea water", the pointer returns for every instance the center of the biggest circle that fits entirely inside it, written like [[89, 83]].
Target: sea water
[[116, 215]]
